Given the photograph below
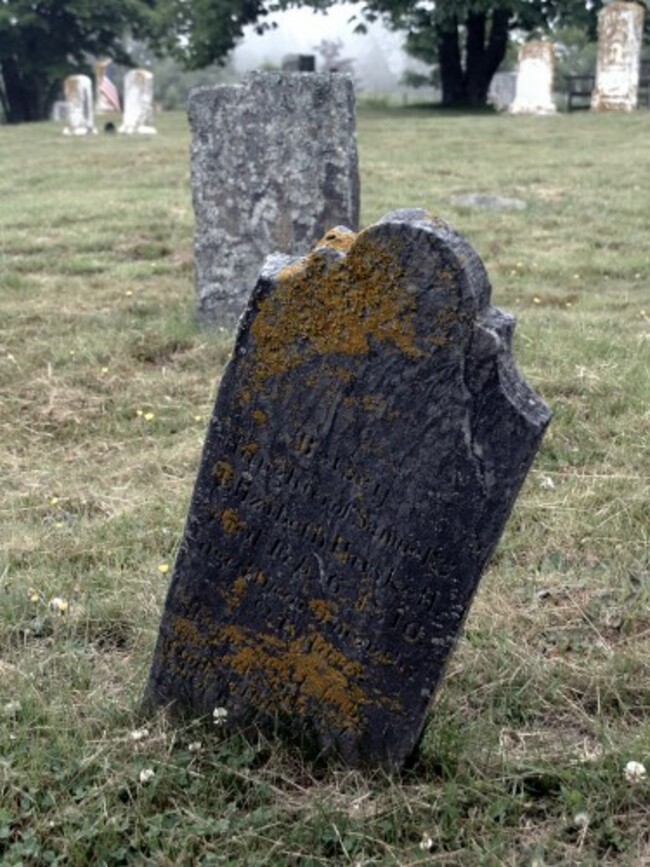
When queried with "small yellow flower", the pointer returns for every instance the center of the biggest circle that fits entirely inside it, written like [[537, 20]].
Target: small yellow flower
[[58, 605], [54, 501], [33, 595], [104, 369], [198, 418], [163, 568], [128, 293], [536, 300], [149, 416], [139, 412]]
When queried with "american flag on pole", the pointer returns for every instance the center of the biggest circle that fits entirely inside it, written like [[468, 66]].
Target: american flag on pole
[[109, 92]]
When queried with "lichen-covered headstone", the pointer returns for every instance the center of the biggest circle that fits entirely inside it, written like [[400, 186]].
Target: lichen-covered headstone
[[274, 165], [620, 37], [368, 442], [78, 92], [534, 86], [138, 103]]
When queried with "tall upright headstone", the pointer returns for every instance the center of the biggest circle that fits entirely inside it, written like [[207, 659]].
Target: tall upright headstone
[[534, 87], [369, 439], [78, 92], [138, 103], [620, 36], [274, 164]]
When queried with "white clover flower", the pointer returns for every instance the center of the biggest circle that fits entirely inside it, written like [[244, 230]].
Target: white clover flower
[[635, 772], [12, 708], [194, 747], [146, 774], [219, 716], [426, 843], [139, 734], [581, 820], [547, 483]]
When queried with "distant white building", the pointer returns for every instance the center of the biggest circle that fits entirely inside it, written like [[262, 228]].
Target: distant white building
[[379, 57]]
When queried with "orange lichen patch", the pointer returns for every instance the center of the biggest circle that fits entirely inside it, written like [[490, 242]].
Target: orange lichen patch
[[231, 522], [223, 473], [321, 308], [235, 595], [245, 396], [323, 609], [250, 449], [337, 239], [315, 667], [259, 416]]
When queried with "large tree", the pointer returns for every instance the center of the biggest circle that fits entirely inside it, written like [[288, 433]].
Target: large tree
[[42, 41]]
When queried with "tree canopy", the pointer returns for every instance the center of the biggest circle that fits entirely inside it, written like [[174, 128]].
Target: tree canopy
[[465, 39], [42, 41]]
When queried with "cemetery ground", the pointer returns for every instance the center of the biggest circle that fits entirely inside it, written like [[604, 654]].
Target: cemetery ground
[[106, 389]]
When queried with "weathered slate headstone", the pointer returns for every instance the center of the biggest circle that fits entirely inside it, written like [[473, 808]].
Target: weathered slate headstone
[[138, 103], [620, 37], [534, 88], [274, 165], [368, 442], [78, 92]]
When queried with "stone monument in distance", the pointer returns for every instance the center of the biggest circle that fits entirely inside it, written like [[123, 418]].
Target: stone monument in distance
[[620, 37], [78, 92], [138, 103], [369, 439], [534, 86], [274, 165]]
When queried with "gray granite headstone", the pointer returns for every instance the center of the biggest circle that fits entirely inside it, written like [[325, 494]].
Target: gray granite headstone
[[274, 165], [369, 439]]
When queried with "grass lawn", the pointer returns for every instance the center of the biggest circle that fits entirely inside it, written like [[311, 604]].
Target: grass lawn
[[106, 385]]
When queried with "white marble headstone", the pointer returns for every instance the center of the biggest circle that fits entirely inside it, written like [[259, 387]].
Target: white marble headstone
[[78, 90], [620, 35], [138, 103], [534, 89]]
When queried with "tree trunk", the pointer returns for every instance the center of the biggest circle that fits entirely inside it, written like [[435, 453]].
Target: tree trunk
[[25, 97], [451, 68], [484, 51]]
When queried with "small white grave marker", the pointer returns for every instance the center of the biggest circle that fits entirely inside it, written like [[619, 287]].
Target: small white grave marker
[[534, 89], [138, 103], [78, 92]]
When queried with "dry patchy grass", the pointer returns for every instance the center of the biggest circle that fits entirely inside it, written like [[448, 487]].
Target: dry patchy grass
[[105, 389]]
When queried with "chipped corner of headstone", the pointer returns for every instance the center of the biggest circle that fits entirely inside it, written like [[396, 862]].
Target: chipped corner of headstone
[[368, 442]]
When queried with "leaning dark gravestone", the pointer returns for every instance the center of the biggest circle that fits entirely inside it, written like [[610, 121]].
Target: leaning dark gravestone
[[369, 439], [274, 165]]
